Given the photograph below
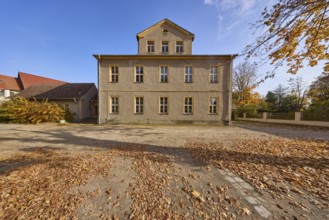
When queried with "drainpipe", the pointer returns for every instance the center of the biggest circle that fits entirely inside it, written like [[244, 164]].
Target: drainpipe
[[98, 105]]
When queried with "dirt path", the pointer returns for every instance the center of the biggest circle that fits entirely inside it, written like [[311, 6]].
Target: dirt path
[[166, 172]]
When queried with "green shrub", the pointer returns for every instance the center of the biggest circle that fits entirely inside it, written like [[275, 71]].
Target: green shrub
[[21, 110]]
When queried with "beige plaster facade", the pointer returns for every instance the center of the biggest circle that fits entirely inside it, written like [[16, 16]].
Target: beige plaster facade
[[202, 78]]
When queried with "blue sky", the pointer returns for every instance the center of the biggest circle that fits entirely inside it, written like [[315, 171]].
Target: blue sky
[[56, 38]]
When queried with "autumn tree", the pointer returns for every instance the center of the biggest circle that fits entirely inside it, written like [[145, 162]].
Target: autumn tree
[[292, 31], [244, 82], [319, 91], [298, 90]]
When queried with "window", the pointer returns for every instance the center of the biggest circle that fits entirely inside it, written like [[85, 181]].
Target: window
[[139, 105], [214, 74], [188, 105], [213, 105], [139, 71], [2, 93], [114, 105], [188, 74], [179, 47], [163, 105], [150, 46], [164, 74], [65, 107], [165, 47], [114, 76]]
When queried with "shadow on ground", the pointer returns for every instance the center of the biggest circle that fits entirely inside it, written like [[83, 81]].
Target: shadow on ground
[[67, 138]]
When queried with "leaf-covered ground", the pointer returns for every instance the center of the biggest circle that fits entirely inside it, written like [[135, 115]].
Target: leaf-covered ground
[[141, 181]]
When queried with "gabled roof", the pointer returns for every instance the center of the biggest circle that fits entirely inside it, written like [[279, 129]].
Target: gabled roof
[[10, 83], [170, 23], [28, 79], [56, 91]]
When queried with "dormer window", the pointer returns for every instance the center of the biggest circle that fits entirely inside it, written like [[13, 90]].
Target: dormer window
[[150, 46], [165, 31], [179, 47], [165, 47]]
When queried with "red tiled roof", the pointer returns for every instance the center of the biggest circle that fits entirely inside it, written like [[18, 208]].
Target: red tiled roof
[[10, 83], [29, 79]]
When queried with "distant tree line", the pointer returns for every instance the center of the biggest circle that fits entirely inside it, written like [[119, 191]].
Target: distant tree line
[[297, 96]]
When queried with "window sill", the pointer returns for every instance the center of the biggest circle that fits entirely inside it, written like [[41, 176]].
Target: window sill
[[139, 113], [163, 114], [114, 113], [188, 82], [149, 52], [163, 82], [113, 82], [214, 82], [165, 52], [138, 82], [187, 113], [212, 113]]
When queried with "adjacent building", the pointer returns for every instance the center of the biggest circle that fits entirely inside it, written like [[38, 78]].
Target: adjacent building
[[164, 83], [74, 97], [78, 98]]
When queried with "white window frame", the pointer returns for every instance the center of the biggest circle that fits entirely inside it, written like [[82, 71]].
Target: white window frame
[[163, 105], [213, 107], [139, 74], [114, 105], [163, 46], [179, 46], [213, 74], [188, 74], [139, 104], [164, 72], [188, 105], [114, 73], [150, 46]]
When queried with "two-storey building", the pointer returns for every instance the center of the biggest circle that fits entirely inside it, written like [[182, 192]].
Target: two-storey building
[[164, 83]]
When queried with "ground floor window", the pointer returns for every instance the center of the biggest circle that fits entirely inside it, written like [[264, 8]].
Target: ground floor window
[[213, 105], [188, 105], [139, 105], [163, 105], [114, 105]]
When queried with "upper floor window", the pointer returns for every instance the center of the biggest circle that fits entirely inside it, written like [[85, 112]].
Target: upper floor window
[[163, 105], [213, 105], [188, 74], [139, 72], [139, 105], [214, 74], [114, 105], [164, 74], [165, 47], [150, 46], [188, 105], [114, 74], [179, 47]]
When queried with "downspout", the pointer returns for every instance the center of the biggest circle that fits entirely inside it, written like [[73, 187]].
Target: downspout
[[98, 96], [229, 120]]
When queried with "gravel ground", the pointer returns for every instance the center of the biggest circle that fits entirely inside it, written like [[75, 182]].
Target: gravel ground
[[154, 172]]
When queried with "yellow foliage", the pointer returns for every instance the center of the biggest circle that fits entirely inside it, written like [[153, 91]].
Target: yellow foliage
[[297, 31]]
